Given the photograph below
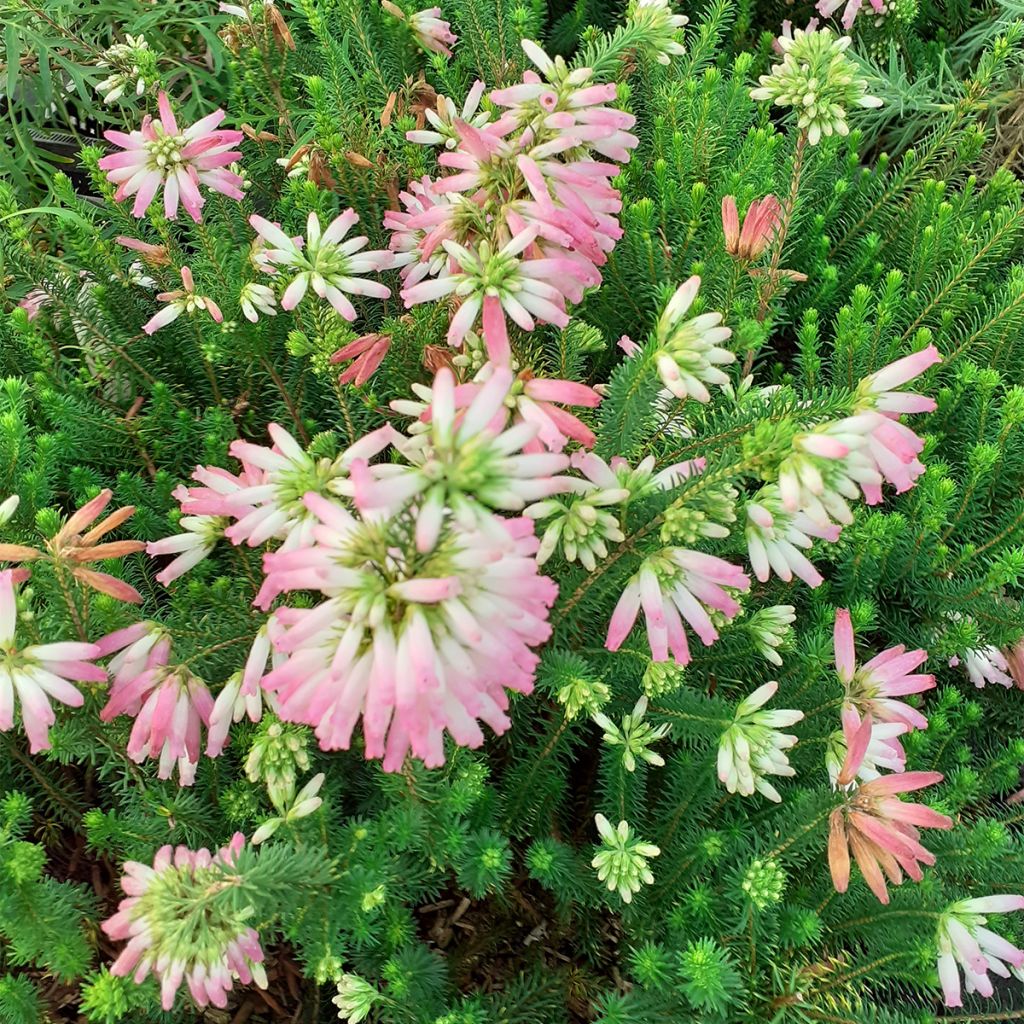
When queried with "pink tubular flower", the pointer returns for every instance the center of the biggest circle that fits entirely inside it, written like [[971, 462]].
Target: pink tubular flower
[[431, 32], [864, 746], [182, 300], [324, 261], [181, 925], [180, 160], [787, 33], [873, 688], [414, 646], [366, 353], [878, 390], [154, 255], [169, 703], [964, 942], [881, 831], [759, 226], [38, 673], [673, 585]]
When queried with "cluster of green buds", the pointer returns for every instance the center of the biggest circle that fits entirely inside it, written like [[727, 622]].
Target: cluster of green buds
[[764, 883], [660, 27], [818, 80], [661, 677], [770, 629], [277, 756], [635, 736], [580, 528], [581, 694], [133, 69], [705, 515], [622, 860]]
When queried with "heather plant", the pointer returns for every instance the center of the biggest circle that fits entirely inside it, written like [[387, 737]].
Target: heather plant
[[514, 515]]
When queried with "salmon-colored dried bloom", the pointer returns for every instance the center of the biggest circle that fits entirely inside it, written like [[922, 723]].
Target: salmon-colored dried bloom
[[760, 223]]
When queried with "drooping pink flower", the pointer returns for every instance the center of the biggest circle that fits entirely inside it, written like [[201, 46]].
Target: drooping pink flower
[[160, 154], [170, 704], [964, 942], [181, 925], [878, 390], [760, 223], [182, 300], [242, 695], [34, 302], [431, 32], [413, 647], [154, 255], [863, 747], [874, 687], [325, 262], [881, 832], [672, 585], [38, 673], [366, 354]]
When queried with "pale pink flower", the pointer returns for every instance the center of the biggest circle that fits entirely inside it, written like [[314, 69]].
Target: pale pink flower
[[754, 746], [179, 160], [38, 673], [326, 262], [776, 539], [170, 704], [466, 462], [218, 495], [431, 32], [672, 585], [878, 390], [366, 353], [418, 230], [34, 302], [826, 8], [964, 942], [442, 130], [272, 506], [881, 832], [787, 33], [242, 697], [191, 547], [414, 646], [182, 300], [179, 927], [863, 747], [689, 352], [492, 285], [874, 688], [827, 468], [760, 224]]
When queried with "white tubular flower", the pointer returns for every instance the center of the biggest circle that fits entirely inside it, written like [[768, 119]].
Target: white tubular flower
[[862, 747], [255, 299], [662, 27], [776, 539], [443, 119], [752, 747], [770, 628], [635, 736], [8, 508], [622, 860], [689, 352], [355, 998], [305, 803]]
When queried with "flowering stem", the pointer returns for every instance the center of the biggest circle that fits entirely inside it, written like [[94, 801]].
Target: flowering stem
[[772, 273], [286, 398], [69, 599], [813, 823]]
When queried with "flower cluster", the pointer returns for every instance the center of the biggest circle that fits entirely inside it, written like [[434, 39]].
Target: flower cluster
[[621, 861], [818, 80], [753, 747], [182, 922], [522, 225]]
